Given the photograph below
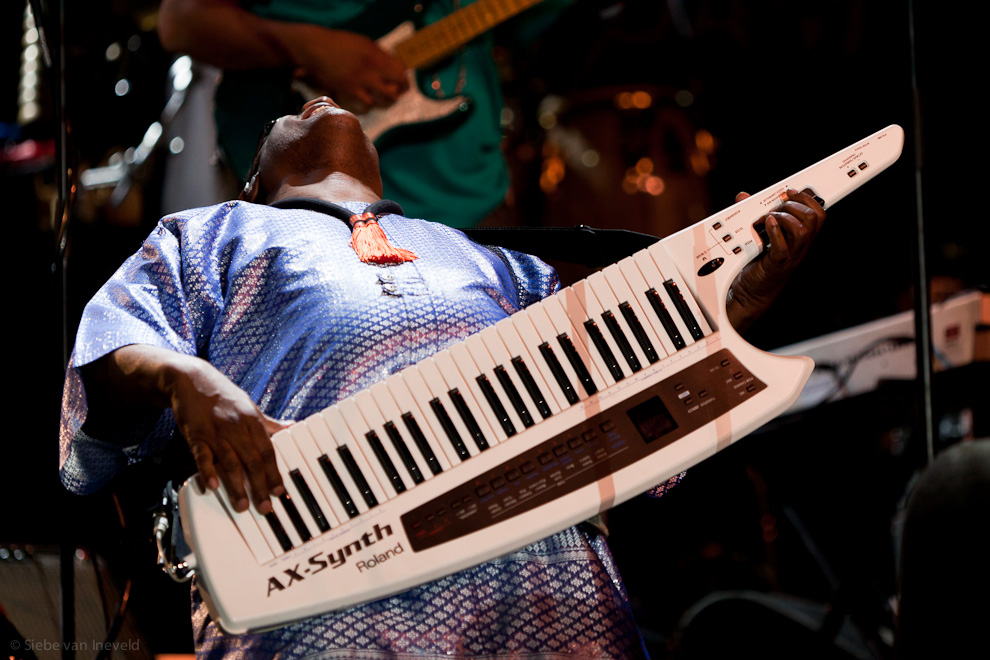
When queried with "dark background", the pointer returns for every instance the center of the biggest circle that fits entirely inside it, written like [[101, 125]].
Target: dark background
[[778, 85]]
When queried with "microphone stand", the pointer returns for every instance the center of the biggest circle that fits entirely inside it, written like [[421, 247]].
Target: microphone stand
[[924, 417], [53, 56]]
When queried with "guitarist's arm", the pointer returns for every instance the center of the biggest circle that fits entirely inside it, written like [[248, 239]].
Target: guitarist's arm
[[222, 33]]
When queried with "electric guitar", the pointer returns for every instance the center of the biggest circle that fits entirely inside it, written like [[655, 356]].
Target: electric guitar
[[246, 100], [421, 48]]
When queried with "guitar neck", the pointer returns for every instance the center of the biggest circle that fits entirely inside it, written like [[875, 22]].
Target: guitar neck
[[438, 40]]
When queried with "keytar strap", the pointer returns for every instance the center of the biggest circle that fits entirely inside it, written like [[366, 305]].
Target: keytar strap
[[581, 244]]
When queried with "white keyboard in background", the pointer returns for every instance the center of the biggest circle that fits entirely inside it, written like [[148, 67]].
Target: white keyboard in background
[[550, 416], [856, 360]]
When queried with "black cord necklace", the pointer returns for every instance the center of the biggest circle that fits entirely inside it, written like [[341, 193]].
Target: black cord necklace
[[367, 237]]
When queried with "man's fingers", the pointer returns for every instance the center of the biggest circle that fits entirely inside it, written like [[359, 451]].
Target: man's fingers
[[263, 443], [230, 471], [804, 201], [254, 459], [273, 426], [364, 97], [799, 217], [240, 457], [819, 209], [779, 250], [391, 67], [388, 91], [204, 463]]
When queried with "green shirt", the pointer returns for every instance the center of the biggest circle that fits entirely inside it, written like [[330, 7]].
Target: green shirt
[[451, 171]]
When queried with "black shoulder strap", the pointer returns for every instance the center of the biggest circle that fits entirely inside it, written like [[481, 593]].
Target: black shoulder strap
[[590, 247], [583, 245]]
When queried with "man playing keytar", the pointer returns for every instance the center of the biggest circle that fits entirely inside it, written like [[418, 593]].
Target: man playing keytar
[[233, 317]]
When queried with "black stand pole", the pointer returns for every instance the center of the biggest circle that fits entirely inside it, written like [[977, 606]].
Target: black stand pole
[[924, 417], [53, 54]]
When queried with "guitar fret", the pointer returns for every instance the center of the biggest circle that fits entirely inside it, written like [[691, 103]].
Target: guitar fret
[[431, 43]]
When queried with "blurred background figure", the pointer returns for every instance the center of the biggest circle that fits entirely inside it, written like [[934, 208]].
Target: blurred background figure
[[429, 92], [941, 560]]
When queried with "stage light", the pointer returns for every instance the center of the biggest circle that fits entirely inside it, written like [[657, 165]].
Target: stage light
[[590, 158], [112, 53], [684, 98]]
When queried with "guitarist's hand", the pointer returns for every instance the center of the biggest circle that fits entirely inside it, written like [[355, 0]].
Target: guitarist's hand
[[792, 228], [350, 67]]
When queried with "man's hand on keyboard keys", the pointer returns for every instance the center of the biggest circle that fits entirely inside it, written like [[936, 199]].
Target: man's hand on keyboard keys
[[230, 438]]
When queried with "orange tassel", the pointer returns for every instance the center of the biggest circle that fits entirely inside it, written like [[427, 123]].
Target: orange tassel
[[372, 245]]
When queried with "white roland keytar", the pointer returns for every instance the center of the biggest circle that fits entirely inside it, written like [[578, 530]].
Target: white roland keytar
[[552, 415]]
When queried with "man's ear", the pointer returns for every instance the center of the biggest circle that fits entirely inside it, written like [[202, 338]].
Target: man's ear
[[250, 192]]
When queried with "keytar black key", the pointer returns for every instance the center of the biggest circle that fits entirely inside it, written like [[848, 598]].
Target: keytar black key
[[496, 405], [683, 309], [279, 531], [421, 442], [629, 314], [522, 370], [558, 373], [469, 421], [598, 339], [309, 500], [362, 484], [385, 461], [584, 377], [294, 517], [449, 429], [407, 458], [339, 488], [665, 318], [514, 397], [621, 341]]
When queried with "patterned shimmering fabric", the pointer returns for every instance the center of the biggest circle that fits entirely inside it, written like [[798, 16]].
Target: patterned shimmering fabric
[[557, 598], [278, 302]]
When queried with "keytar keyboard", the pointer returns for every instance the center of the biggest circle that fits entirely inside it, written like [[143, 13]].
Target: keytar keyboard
[[536, 423]]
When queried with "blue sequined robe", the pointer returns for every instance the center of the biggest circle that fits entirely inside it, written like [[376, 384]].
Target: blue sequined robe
[[279, 303]]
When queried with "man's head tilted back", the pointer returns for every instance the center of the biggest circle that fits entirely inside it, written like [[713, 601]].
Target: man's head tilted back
[[300, 152]]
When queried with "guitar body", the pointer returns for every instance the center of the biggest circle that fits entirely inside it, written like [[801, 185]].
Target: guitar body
[[412, 108]]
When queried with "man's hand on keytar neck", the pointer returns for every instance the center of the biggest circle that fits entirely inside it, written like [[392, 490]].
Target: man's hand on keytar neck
[[792, 228]]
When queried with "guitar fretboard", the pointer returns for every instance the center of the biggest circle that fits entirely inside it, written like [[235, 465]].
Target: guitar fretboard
[[438, 40]]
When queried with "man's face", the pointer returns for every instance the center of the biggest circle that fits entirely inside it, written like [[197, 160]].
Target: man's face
[[323, 136]]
